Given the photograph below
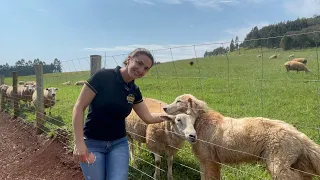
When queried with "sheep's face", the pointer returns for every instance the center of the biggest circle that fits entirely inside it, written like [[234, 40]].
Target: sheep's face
[[52, 91], [3, 88], [30, 88], [187, 104], [183, 125]]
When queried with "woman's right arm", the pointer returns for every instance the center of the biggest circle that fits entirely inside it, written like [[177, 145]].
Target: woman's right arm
[[83, 101]]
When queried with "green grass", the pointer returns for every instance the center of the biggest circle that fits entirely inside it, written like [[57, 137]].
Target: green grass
[[238, 86]]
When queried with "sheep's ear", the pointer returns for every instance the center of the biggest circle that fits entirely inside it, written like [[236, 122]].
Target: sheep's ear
[[168, 117]]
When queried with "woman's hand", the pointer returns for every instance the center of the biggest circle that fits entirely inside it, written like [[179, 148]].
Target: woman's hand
[[80, 152]]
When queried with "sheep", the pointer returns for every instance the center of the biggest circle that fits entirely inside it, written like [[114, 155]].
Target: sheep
[[67, 83], [49, 98], [302, 60], [233, 141], [273, 56], [165, 137], [31, 83], [9, 95], [291, 55], [296, 66], [3, 90], [79, 83], [25, 93], [259, 55], [136, 128]]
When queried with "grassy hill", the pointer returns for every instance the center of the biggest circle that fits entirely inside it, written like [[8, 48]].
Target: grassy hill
[[235, 85]]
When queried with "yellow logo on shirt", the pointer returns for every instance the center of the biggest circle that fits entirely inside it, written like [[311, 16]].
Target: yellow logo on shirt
[[130, 98]]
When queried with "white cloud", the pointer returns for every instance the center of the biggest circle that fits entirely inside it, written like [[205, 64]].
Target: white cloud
[[144, 2], [162, 53], [302, 8], [241, 32]]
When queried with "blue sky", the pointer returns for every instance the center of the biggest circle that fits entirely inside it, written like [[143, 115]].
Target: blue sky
[[77, 28]]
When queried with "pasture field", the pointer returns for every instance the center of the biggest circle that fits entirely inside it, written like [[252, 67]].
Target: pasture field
[[236, 86]]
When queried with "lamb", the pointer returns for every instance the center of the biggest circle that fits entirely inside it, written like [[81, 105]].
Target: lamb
[[296, 66], [49, 98], [166, 137], [302, 60], [286, 152], [25, 93], [67, 83], [79, 83]]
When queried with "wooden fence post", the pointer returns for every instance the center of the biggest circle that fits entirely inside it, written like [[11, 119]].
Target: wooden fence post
[[40, 117], [15, 94], [1, 96], [95, 63]]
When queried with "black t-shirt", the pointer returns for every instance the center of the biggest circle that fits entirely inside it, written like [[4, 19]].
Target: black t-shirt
[[111, 105]]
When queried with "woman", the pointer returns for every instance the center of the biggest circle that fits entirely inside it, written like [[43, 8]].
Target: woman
[[111, 94]]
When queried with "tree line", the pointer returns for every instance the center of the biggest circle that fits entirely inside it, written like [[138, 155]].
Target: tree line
[[285, 33], [26, 68]]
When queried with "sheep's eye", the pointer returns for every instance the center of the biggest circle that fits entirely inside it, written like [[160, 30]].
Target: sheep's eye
[[178, 101], [179, 120]]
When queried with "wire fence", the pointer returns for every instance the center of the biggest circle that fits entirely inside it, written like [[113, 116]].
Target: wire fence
[[243, 83]]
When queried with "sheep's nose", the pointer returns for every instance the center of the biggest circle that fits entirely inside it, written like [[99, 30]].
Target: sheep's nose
[[192, 136], [165, 109]]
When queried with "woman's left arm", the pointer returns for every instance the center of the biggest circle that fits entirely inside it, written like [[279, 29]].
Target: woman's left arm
[[149, 118]]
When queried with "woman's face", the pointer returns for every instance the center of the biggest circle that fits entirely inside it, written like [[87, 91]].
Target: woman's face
[[138, 66]]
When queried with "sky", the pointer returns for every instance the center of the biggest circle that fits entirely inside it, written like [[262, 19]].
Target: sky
[[171, 29]]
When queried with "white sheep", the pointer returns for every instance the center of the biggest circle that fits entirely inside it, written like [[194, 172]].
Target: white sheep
[[67, 83], [25, 93], [296, 66], [163, 138], [259, 55], [49, 98], [291, 55], [3, 90], [9, 95], [273, 56], [79, 83]]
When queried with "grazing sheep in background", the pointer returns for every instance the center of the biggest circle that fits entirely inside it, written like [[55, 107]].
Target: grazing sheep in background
[[227, 140], [25, 93], [3, 90], [273, 56], [291, 55], [302, 60], [67, 83], [21, 83], [191, 63], [79, 83], [49, 98], [295, 66], [259, 55], [166, 137]]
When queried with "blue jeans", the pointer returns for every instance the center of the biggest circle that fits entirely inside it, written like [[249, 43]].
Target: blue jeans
[[112, 160]]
